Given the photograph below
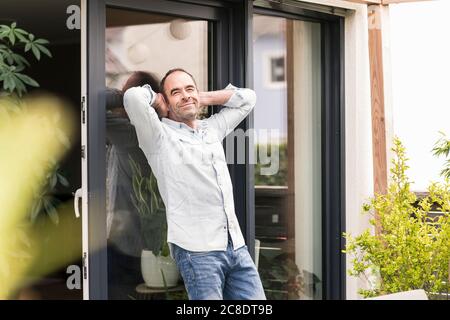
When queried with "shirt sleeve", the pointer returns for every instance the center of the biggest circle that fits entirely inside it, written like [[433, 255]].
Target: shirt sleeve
[[236, 109], [137, 102]]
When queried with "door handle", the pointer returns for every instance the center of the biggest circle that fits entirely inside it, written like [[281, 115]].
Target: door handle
[[76, 200]]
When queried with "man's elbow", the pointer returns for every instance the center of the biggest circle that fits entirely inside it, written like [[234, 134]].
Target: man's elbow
[[132, 97]]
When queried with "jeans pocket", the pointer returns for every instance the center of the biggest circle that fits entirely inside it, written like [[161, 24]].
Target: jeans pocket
[[197, 254], [185, 267]]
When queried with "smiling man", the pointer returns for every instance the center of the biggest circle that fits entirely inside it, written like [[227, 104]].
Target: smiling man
[[188, 160]]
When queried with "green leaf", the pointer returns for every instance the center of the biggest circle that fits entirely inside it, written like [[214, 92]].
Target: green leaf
[[10, 84], [20, 37], [31, 36], [5, 84], [44, 50], [63, 180], [12, 37], [29, 81], [21, 31], [20, 87], [13, 25], [41, 41], [51, 211], [5, 28], [9, 58], [37, 206], [20, 60], [36, 52], [28, 47], [53, 181]]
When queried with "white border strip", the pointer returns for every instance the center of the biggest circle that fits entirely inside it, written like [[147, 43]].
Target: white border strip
[[84, 168]]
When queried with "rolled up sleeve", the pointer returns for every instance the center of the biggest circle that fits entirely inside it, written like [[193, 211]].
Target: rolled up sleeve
[[137, 102], [236, 109]]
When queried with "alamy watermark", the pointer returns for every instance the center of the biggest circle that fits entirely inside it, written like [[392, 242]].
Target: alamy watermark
[[73, 21], [263, 148], [266, 154], [74, 279]]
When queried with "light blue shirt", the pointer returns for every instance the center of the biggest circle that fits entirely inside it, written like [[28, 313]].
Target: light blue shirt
[[191, 170]]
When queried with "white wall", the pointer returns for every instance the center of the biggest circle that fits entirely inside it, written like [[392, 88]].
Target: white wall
[[420, 72], [358, 126]]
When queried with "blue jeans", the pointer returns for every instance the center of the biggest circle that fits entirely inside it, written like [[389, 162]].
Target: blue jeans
[[217, 275]]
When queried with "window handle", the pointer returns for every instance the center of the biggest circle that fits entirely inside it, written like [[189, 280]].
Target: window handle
[[76, 201]]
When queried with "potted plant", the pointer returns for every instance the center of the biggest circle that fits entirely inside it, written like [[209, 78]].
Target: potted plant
[[411, 250], [158, 268]]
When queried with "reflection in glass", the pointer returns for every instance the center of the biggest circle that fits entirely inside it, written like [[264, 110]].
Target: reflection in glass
[[136, 224], [287, 124]]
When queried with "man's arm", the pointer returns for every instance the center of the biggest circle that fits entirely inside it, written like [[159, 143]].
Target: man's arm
[[138, 105], [237, 102], [219, 97]]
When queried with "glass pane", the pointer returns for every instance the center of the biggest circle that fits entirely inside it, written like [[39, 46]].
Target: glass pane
[[288, 149], [151, 43], [42, 253]]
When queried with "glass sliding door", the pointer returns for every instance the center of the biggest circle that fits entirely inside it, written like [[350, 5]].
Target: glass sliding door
[[140, 48], [40, 255], [125, 37], [288, 143]]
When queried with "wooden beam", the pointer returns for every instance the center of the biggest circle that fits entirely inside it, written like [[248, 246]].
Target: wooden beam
[[291, 138], [377, 99], [366, 1], [386, 2]]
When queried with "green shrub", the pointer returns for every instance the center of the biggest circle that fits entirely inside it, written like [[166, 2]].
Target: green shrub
[[442, 148], [412, 249]]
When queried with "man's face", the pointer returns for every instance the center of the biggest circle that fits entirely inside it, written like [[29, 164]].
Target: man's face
[[182, 97]]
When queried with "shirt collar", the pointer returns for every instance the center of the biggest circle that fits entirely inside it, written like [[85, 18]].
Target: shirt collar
[[181, 125]]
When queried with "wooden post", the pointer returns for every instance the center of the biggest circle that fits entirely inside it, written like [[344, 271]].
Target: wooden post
[[377, 98], [291, 136], [384, 2]]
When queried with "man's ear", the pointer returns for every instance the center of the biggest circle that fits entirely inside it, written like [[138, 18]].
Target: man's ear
[[164, 99], [166, 104]]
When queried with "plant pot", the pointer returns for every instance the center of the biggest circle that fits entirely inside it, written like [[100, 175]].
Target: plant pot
[[151, 267]]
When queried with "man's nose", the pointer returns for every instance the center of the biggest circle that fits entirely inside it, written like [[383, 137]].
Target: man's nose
[[186, 95]]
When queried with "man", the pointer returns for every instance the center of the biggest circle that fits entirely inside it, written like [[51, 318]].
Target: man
[[188, 160]]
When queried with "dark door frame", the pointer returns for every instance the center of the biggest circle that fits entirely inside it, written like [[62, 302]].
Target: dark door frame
[[226, 19], [333, 137], [232, 35]]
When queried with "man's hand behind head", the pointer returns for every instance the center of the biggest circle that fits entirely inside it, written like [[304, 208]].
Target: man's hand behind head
[[160, 106]]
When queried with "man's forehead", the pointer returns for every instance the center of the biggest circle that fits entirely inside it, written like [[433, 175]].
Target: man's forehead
[[179, 78]]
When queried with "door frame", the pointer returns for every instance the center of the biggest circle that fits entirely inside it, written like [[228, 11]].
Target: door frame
[[233, 30], [227, 16], [333, 133]]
